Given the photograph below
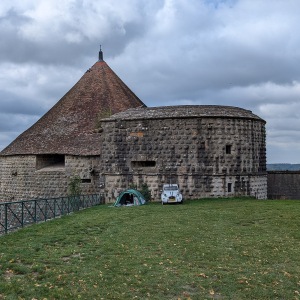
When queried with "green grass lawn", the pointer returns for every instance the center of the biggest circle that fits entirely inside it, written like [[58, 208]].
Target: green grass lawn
[[206, 249]]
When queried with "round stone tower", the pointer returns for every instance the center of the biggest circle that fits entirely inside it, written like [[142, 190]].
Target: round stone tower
[[210, 151]]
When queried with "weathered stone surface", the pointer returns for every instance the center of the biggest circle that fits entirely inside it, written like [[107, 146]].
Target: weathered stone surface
[[200, 164], [21, 179], [186, 112], [283, 185]]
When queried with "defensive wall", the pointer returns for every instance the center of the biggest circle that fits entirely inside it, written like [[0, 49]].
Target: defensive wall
[[210, 151], [218, 155], [284, 185]]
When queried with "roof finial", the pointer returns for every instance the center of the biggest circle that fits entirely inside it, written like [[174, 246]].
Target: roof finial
[[100, 54]]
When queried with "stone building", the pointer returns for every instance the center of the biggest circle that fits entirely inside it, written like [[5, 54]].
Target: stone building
[[102, 132], [66, 141], [211, 151]]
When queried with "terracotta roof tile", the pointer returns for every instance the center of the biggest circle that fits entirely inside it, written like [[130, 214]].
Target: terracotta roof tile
[[70, 126]]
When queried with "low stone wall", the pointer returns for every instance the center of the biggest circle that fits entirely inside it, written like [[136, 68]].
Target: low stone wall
[[283, 184]]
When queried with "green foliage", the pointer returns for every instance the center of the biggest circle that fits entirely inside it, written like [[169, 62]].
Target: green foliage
[[209, 249], [143, 189], [75, 186], [133, 186], [102, 115]]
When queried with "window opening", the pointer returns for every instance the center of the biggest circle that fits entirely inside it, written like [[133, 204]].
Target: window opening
[[143, 164], [50, 160], [229, 187], [86, 180], [228, 149]]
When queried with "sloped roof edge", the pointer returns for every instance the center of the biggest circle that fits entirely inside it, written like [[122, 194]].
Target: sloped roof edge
[[183, 111], [70, 126]]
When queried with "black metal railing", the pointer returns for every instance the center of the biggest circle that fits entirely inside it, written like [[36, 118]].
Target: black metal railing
[[15, 215]]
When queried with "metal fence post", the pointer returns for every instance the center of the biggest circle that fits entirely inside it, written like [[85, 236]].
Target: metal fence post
[[35, 211], [62, 206], [45, 207], [22, 214], [5, 221]]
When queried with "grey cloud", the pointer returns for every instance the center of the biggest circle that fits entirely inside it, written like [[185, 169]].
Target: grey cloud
[[204, 57], [13, 104], [13, 19], [281, 153], [230, 52], [7, 137], [68, 41], [15, 123]]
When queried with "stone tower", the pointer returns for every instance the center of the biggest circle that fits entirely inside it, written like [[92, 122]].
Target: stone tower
[[209, 150], [65, 141]]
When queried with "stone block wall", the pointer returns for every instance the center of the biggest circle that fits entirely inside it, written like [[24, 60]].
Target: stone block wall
[[208, 157], [258, 186], [191, 186], [284, 185], [22, 178]]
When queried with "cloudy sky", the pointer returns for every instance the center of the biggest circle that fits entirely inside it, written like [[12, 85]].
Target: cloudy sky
[[243, 53]]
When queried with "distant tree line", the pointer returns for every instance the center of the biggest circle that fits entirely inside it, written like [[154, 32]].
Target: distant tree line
[[283, 167]]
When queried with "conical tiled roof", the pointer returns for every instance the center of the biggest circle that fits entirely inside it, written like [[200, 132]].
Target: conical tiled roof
[[71, 126]]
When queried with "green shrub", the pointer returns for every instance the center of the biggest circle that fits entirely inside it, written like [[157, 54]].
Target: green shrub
[[75, 186], [143, 189]]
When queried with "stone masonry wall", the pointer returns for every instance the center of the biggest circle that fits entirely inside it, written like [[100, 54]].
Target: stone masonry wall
[[115, 183], [208, 157], [21, 178], [284, 184]]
